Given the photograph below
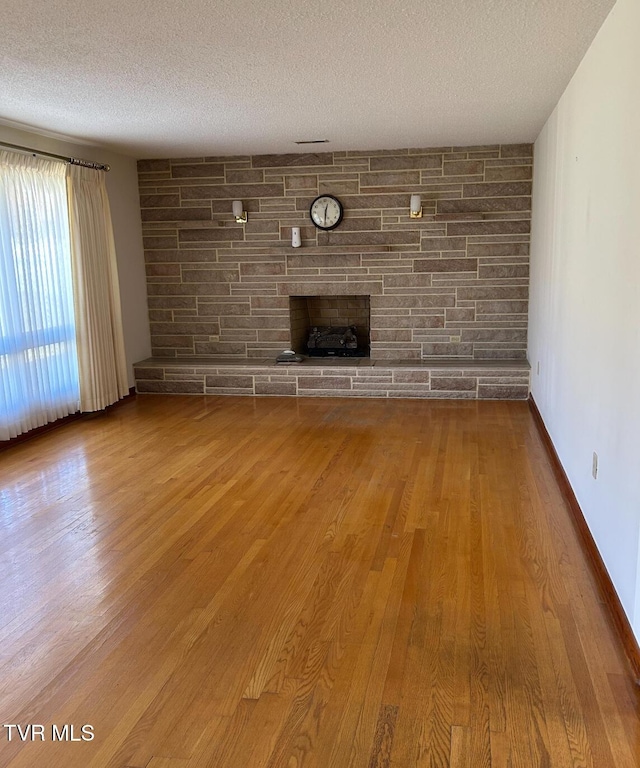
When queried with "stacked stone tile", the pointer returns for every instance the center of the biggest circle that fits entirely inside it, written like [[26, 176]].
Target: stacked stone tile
[[451, 285]]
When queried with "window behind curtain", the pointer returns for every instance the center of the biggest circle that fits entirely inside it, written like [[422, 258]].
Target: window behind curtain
[[38, 360]]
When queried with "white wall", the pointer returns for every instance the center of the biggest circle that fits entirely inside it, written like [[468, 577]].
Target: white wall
[[584, 322], [122, 185]]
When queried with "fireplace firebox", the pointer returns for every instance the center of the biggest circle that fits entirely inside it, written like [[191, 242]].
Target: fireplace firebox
[[330, 326]]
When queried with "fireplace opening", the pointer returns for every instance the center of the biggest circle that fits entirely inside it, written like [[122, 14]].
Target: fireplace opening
[[330, 326]]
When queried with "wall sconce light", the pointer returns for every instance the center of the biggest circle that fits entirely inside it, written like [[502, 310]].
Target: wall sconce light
[[296, 242], [238, 212], [415, 207]]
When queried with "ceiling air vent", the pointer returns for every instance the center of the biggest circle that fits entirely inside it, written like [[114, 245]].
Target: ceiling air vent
[[313, 141]]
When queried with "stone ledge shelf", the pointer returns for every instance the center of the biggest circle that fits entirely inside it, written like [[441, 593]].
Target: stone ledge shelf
[[337, 377]]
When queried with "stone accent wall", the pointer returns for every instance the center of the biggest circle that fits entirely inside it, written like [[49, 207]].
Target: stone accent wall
[[453, 284]]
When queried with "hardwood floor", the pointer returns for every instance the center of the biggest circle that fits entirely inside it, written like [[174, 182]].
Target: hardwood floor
[[324, 583]]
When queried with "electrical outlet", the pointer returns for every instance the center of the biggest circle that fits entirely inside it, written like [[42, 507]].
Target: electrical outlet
[[594, 466]]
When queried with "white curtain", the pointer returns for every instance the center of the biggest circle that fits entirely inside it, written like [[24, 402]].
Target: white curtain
[[38, 361], [101, 357]]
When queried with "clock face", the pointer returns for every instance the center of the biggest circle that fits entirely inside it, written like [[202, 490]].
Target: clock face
[[326, 212]]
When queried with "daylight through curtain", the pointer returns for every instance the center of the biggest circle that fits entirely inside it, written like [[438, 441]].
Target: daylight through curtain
[[38, 362]]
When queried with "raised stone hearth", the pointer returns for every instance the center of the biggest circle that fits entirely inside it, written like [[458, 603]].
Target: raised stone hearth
[[343, 377]]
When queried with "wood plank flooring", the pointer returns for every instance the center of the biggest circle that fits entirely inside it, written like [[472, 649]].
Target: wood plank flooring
[[278, 583]]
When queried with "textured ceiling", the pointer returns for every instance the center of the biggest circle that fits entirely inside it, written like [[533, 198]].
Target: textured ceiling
[[154, 78]]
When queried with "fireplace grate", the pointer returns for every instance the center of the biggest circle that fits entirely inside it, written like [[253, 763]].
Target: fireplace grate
[[337, 341]]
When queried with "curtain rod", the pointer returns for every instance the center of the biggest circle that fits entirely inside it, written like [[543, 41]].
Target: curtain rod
[[71, 160]]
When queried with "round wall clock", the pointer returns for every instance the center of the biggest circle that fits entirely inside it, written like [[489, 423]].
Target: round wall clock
[[326, 212]]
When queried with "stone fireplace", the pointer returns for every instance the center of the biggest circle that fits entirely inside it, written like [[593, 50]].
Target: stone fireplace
[[447, 291], [307, 312]]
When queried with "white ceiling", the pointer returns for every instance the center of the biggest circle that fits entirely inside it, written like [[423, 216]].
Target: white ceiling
[[156, 78]]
